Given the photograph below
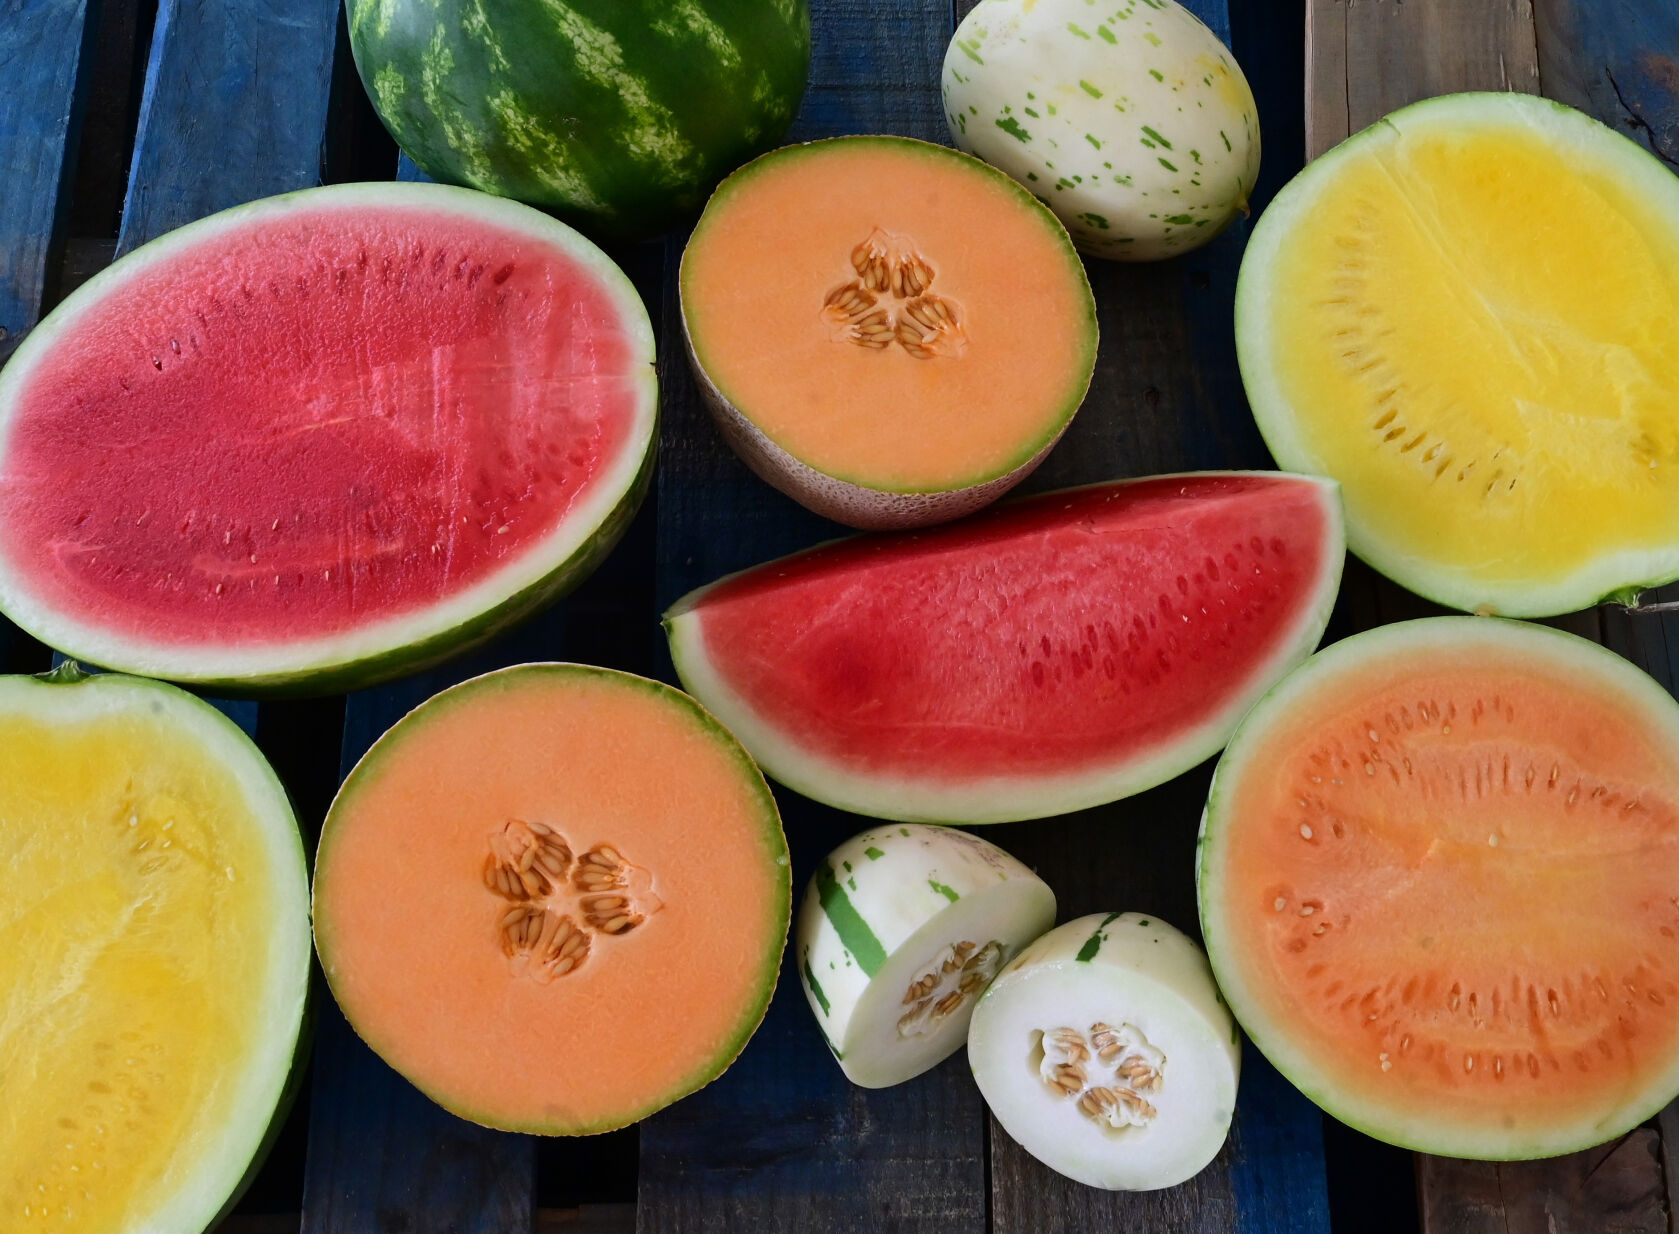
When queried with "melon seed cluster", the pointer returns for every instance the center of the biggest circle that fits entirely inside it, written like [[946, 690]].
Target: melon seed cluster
[[531, 865], [889, 267], [1128, 1064]]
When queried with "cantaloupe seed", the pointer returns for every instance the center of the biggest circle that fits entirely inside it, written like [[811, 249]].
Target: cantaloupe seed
[[891, 270]]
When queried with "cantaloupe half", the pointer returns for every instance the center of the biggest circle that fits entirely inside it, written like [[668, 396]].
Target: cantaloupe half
[[154, 957], [1468, 314], [554, 897], [1439, 878], [890, 332]]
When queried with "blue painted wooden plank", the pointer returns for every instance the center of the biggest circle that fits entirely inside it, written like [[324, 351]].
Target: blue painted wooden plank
[[234, 108], [42, 50], [43, 46], [783, 1142]]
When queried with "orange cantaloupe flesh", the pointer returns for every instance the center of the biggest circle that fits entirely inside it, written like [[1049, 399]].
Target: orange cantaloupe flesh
[[777, 239], [408, 930], [1457, 886]]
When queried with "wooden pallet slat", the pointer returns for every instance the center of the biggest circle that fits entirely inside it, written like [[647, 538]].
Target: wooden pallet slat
[[783, 1142], [234, 108], [1364, 60], [43, 45]]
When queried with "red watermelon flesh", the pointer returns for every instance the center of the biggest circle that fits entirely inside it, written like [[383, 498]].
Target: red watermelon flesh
[[1060, 651], [333, 414]]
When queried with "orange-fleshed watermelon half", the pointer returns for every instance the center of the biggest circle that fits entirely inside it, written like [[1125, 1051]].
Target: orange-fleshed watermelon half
[[1439, 878], [322, 439], [1050, 654]]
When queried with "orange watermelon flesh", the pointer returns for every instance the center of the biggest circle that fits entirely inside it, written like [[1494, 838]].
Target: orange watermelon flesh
[[1439, 877], [411, 921], [1052, 653], [325, 416]]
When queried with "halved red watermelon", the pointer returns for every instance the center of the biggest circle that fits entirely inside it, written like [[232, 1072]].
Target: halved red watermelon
[[1051, 654], [322, 439]]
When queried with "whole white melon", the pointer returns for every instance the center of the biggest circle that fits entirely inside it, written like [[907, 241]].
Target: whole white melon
[[1128, 118]]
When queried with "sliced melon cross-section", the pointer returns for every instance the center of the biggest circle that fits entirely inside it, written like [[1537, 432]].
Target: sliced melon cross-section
[[1468, 314], [554, 897], [1439, 878], [322, 439], [154, 956]]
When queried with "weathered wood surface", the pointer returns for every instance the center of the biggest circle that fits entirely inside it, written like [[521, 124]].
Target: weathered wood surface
[[783, 1142], [42, 45], [1615, 61], [235, 108]]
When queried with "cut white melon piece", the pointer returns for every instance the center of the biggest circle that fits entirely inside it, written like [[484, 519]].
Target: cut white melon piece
[[1105, 1050], [901, 930]]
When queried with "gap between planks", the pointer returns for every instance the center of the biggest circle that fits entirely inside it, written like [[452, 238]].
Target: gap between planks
[[588, 1219]]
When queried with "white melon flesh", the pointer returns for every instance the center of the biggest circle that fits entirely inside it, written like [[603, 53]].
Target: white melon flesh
[[1105, 1050], [901, 929]]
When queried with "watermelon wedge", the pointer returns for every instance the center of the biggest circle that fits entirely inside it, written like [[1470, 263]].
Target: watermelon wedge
[[322, 439], [1051, 654]]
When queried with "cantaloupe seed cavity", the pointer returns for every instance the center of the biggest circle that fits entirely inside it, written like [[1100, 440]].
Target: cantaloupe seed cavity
[[1107, 1070], [558, 907], [890, 268], [955, 976]]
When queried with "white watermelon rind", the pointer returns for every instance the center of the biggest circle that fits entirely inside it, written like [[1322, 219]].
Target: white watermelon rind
[[271, 1079], [1537, 644], [395, 645], [996, 799], [1615, 577]]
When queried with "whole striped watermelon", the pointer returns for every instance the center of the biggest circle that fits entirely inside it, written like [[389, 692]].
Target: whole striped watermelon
[[617, 115]]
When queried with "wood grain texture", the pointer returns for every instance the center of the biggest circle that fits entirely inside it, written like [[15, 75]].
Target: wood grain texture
[[234, 108], [42, 46], [782, 1142], [1365, 59], [1616, 1188]]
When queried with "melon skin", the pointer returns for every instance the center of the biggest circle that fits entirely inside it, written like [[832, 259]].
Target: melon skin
[[1542, 650], [334, 938], [788, 740], [618, 115], [388, 646], [888, 908], [1135, 124], [1376, 533], [851, 499], [75, 693]]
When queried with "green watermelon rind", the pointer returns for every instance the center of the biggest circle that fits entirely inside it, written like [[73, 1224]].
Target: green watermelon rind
[[858, 500], [1614, 578], [1578, 655], [776, 852], [394, 646], [617, 115], [999, 800], [288, 1033]]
